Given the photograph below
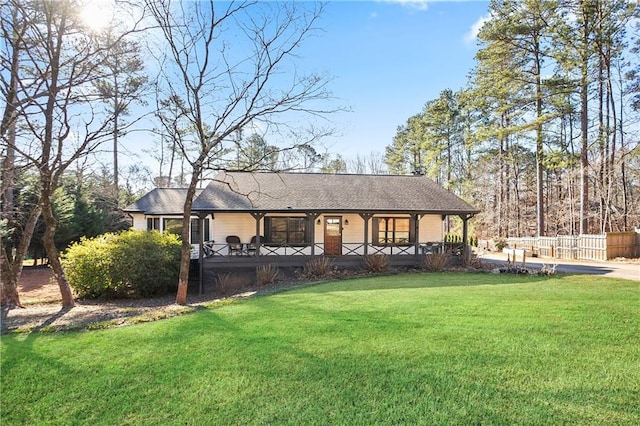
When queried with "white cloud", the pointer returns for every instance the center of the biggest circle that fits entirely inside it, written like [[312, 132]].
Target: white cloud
[[415, 4], [472, 35]]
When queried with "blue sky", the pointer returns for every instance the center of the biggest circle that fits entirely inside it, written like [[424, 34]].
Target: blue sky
[[388, 59]]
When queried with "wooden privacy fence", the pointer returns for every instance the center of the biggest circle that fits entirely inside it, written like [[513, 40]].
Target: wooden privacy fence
[[581, 247]]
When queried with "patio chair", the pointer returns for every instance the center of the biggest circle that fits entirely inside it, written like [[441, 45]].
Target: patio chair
[[252, 247], [235, 246], [208, 248]]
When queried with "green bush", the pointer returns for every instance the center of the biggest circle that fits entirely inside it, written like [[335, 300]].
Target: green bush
[[500, 243], [129, 264]]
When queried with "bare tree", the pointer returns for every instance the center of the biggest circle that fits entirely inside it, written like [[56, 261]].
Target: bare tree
[[233, 66], [12, 31], [55, 102], [375, 163]]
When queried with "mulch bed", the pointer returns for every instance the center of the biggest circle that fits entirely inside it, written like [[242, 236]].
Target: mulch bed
[[42, 311], [40, 296]]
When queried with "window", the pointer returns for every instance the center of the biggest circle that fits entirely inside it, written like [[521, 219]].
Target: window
[[174, 226], [286, 230], [153, 223], [393, 230], [195, 231]]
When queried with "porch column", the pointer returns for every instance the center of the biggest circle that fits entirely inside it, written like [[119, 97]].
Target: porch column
[[465, 238], [311, 218], [416, 218], [201, 217], [366, 217], [258, 216]]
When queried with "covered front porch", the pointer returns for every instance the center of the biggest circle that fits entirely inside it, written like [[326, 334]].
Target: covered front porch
[[258, 238], [352, 255], [290, 259]]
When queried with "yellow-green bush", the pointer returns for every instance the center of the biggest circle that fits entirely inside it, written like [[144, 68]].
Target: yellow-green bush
[[129, 264]]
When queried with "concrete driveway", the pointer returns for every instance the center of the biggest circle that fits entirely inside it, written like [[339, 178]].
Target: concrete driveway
[[629, 270]]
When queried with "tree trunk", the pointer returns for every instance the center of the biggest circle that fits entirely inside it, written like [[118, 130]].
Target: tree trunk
[[584, 158], [185, 259], [9, 297], [52, 252], [11, 267], [116, 184], [540, 210]]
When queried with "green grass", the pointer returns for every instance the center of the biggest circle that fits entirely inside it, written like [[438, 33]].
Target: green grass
[[405, 349]]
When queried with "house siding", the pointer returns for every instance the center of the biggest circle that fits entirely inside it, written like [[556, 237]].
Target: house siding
[[431, 228], [243, 225]]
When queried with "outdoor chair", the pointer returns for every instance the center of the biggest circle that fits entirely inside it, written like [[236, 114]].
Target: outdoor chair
[[208, 248], [252, 247], [235, 246]]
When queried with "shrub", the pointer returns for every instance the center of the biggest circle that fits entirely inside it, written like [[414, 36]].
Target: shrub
[[129, 264], [266, 274], [477, 263], [499, 243], [435, 262], [87, 266], [228, 283], [376, 262], [320, 267]]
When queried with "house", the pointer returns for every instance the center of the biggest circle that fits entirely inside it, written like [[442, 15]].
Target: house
[[248, 218]]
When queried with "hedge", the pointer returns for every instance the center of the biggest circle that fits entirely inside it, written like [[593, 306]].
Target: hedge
[[130, 264]]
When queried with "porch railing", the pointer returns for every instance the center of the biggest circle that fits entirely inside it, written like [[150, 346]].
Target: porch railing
[[212, 249]]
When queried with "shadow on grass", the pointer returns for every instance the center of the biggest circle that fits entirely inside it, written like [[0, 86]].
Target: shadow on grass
[[413, 280], [53, 318], [296, 380]]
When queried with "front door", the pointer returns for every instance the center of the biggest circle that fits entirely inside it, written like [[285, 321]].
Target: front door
[[333, 235]]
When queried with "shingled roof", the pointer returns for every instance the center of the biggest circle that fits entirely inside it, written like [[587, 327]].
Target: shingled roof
[[166, 201], [304, 192]]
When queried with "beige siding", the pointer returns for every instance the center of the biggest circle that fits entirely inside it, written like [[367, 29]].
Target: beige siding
[[241, 224], [139, 221], [244, 226], [431, 228]]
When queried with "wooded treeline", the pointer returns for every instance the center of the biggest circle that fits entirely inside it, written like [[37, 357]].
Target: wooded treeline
[[545, 138]]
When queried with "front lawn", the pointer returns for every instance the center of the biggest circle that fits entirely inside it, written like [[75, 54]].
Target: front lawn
[[406, 349]]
